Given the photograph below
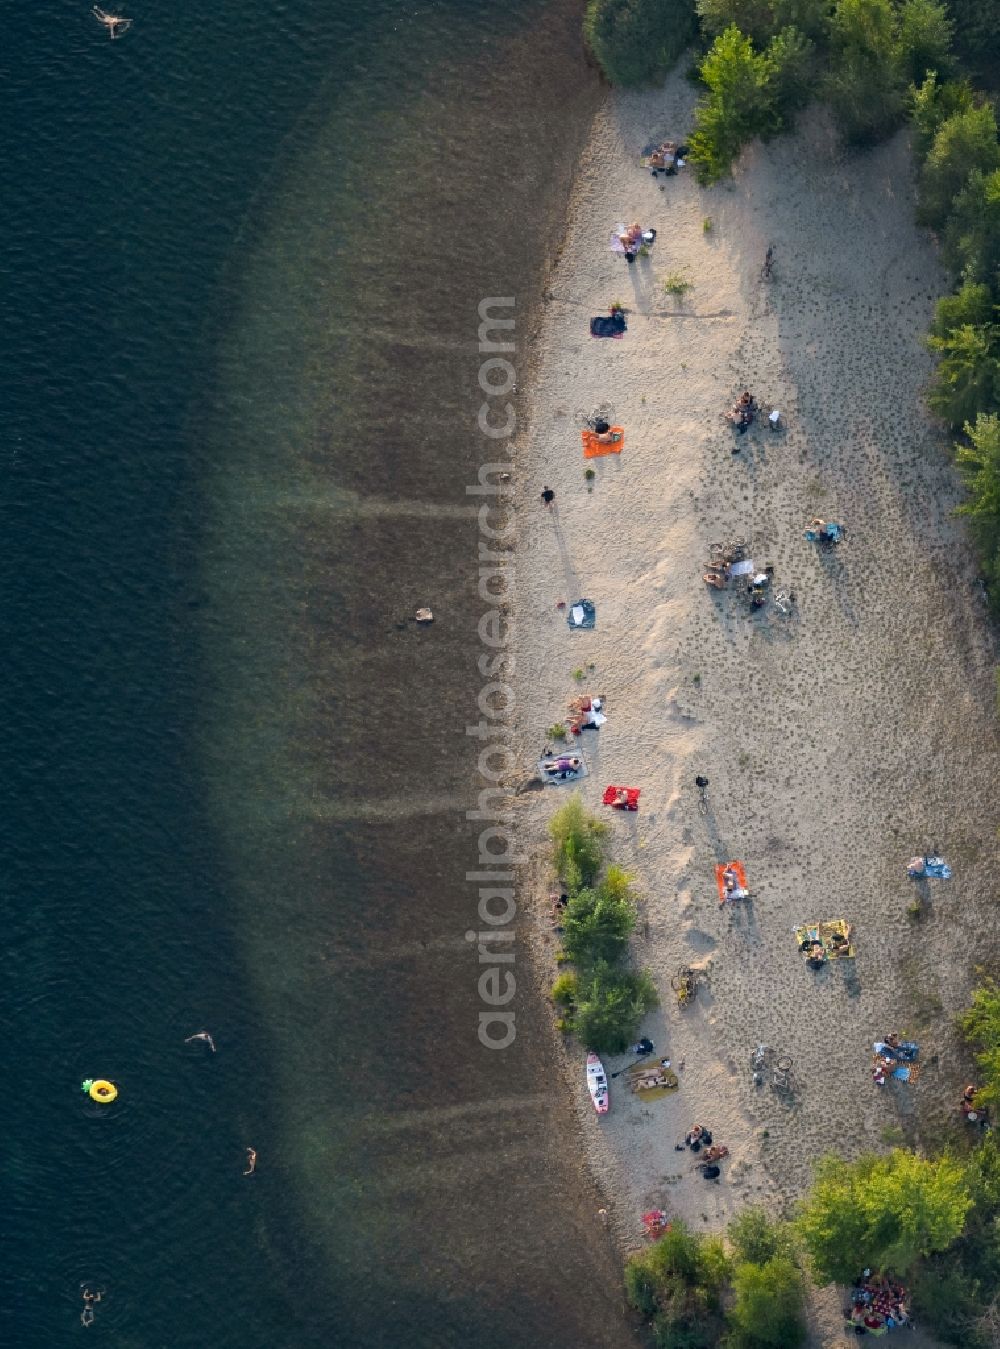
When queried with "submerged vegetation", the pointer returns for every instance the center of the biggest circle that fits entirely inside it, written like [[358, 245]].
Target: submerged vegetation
[[602, 1001]]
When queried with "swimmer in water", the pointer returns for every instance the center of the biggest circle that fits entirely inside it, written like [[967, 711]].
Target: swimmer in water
[[203, 1036], [251, 1162]]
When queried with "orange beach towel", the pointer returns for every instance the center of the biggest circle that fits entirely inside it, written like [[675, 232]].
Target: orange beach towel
[[594, 448], [720, 872]]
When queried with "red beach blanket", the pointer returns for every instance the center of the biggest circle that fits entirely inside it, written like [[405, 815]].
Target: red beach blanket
[[720, 881], [631, 795], [594, 448]]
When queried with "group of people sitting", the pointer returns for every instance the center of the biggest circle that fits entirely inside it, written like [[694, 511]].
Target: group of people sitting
[[878, 1304], [893, 1057], [697, 1138], [823, 531], [743, 411], [667, 158], [586, 715], [634, 238]]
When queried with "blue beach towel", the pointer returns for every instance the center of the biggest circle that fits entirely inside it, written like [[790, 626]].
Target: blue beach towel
[[582, 614], [937, 868], [605, 326]]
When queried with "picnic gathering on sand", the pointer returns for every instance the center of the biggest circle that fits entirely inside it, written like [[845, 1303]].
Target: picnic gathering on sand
[[793, 882]]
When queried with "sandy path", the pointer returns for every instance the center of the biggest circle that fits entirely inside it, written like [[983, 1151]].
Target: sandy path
[[838, 741]]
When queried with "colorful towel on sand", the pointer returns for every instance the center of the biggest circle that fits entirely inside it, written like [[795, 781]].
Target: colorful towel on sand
[[631, 801], [605, 326], [934, 868], [593, 447], [582, 614], [739, 889], [560, 768], [832, 939], [652, 1082]]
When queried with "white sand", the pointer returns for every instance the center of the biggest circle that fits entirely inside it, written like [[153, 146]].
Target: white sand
[[838, 742]]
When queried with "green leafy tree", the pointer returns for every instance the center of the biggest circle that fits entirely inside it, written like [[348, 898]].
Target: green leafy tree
[[977, 37], [968, 374], [964, 142], [637, 41], [739, 105], [791, 63], [767, 1310], [932, 103], [881, 1211], [597, 923], [810, 17], [754, 18], [610, 1004], [864, 88], [980, 466], [972, 234], [971, 303], [576, 843], [923, 42]]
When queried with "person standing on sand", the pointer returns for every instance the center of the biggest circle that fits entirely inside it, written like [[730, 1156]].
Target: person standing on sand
[[548, 496]]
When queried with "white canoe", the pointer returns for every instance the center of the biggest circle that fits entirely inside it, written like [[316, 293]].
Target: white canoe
[[597, 1084]]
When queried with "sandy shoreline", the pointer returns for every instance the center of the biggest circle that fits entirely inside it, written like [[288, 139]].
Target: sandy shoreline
[[839, 740]]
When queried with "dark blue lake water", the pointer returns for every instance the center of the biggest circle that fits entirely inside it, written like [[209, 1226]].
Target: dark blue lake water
[[243, 249]]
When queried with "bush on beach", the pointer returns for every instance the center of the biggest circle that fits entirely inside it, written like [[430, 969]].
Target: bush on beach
[[678, 1283], [638, 41], [602, 1003], [610, 1004], [576, 843]]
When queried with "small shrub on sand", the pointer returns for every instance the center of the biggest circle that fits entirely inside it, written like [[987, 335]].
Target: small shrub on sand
[[564, 990], [706, 225], [576, 843], [556, 732], [677, 285]]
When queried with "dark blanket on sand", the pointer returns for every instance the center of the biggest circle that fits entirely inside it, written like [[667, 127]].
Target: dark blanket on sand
[[604, 326]]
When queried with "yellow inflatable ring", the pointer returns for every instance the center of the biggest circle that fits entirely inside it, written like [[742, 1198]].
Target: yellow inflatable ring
[[103, 1092]]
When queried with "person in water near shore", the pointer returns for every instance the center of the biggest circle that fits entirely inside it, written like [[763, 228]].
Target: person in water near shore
[[203, 1037], [251, 1162], [548, 496]]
